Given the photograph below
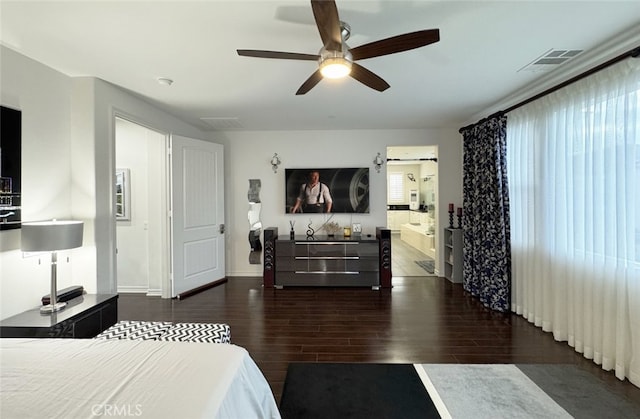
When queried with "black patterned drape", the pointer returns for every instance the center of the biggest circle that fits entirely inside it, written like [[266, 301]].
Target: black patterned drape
[[486, 249]]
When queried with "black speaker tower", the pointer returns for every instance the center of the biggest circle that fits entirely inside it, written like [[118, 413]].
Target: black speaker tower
[[384, 242], [269, 260]]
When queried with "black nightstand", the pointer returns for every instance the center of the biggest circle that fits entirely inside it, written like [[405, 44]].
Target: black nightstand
[[83, 317]]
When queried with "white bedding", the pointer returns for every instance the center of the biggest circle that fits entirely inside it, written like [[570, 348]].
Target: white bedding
[[73, 378]]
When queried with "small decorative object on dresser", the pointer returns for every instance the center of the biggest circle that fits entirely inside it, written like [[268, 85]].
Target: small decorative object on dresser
[[451, 215], [292, 232], [356, 228], [332, 228], [310, 231]]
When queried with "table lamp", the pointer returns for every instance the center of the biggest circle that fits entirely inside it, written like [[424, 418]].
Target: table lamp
[[51, 236]]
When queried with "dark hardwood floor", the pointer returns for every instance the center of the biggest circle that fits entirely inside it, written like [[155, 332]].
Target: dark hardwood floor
[[420, 320]]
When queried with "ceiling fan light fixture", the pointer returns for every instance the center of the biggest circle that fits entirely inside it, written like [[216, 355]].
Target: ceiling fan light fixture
[[335, 64], [335, 68]]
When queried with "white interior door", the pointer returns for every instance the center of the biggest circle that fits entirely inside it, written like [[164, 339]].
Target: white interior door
[[197, 208]]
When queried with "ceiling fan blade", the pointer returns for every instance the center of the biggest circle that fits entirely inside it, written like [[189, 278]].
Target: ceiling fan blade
[[310, 83], [277, 54], [368, 78], [395, 44], [326, 14]]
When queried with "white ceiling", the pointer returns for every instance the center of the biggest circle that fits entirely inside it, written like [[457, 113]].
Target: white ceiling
[[473, 68]]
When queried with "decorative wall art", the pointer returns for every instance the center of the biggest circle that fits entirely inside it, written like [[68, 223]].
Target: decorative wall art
[[123, 195], [10, 168]]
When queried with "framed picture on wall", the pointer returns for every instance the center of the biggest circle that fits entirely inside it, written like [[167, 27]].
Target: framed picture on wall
[[10, 168], [123, 195]]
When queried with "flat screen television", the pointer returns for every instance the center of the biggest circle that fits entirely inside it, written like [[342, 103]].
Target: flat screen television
[[348, 189]]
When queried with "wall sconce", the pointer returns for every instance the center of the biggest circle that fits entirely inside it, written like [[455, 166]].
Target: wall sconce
[[275, 162], [378, 162]]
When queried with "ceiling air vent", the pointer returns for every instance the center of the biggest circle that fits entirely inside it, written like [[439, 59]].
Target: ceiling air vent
[[222, 123], [551, 59]]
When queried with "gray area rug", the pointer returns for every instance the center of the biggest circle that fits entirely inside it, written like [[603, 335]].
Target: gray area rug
[[522, 391], [427, 265], [580, 393], [491, 391]]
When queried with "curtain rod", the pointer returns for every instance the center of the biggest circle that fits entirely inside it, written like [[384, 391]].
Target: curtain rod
[[634, 53], [419, 159]]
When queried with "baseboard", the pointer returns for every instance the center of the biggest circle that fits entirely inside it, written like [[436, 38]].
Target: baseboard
[[245, 273], [132, 289]]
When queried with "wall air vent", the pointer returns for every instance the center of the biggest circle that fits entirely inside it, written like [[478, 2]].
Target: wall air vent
[[551, 60], [222, 123]]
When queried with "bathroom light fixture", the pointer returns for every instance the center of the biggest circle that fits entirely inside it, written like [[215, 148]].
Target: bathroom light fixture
[[275, 162], [378, 162]]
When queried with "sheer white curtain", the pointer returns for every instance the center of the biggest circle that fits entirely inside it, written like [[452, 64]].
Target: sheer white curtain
[[573, 161]]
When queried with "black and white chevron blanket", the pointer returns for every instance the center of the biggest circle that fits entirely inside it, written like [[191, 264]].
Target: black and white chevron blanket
[[180, 332]]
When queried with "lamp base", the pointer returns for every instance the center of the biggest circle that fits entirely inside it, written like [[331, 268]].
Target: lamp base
[[52, 308]]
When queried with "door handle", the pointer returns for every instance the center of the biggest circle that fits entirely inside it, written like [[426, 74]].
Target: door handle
[[221, 229]]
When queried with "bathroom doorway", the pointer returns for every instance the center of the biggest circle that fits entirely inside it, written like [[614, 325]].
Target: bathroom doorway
[[142, 237], [412, 193]]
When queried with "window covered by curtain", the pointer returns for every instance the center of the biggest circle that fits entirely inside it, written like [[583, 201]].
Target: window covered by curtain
[[574, 188]]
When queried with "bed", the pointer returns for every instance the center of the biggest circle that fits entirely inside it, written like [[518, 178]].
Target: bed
[[83, 378]]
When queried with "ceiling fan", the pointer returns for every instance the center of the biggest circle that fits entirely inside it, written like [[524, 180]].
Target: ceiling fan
[[336, 59]]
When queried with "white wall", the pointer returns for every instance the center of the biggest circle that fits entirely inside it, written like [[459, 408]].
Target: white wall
[[248, 155], [68, 160], [42, 95]]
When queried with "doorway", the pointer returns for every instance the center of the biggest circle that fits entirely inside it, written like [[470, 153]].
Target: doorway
[[167, 247], [412, 193], [142, 237]]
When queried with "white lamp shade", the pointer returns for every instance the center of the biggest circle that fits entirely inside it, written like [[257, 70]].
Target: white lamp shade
[[49, 236]]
